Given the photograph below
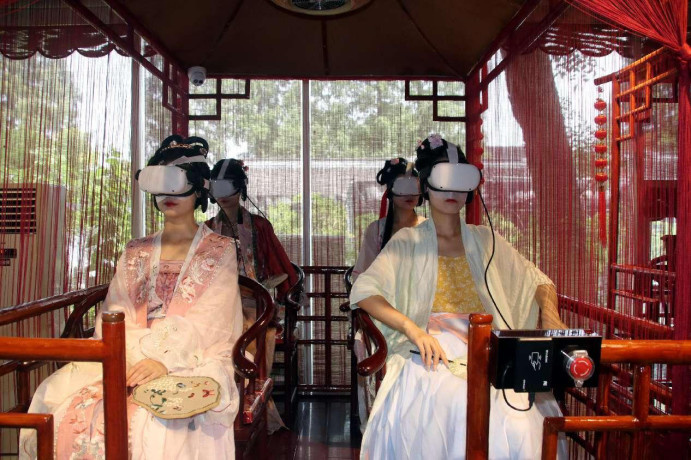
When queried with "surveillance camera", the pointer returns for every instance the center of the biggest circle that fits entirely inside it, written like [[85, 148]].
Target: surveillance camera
[[196, 75]]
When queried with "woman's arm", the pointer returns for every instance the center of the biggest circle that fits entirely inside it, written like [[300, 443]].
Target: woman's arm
[[430, 350], [546, 298], [368, 249]]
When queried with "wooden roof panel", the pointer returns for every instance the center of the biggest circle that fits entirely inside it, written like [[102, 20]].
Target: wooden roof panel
[[385, 39]]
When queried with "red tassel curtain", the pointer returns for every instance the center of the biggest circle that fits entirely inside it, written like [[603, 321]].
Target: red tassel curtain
[[666, 22], [541, 186]]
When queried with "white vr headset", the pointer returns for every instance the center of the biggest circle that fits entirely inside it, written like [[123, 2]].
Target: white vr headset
[[168, 179], [454, 176], [221, 188], [406, 185]]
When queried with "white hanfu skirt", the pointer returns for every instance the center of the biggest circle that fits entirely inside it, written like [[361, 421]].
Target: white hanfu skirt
[[424, 414]]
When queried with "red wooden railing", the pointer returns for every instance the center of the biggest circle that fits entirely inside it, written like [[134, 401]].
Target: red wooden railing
[[641, 353], [110, 351]]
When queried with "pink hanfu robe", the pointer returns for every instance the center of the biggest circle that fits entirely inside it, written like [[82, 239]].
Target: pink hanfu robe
[[195, 337]]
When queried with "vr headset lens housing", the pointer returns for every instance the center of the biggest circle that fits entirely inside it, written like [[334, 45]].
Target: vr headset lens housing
[[407, 185], [454, 177], [164, 180], [222, 188]]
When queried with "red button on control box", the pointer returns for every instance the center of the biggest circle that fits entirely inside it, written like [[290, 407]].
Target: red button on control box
[[581, 368]]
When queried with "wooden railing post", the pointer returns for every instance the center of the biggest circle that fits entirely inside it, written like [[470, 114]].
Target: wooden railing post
[[115, 392], [550, 436], [477, 418]]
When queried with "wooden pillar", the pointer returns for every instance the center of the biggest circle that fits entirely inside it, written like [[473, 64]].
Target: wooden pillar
[[473, 144]]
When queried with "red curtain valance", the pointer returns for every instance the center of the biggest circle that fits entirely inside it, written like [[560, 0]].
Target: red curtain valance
[[54, 42], [664, 22]]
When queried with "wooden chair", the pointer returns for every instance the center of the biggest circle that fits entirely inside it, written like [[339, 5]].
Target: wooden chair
[[374, 364], [110, 351], [286, 342], [253, 385]]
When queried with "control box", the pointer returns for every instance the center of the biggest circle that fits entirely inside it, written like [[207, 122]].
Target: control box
[[542, 360]]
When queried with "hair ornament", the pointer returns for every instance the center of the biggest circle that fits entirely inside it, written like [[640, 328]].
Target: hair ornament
[[192, 146], [435, 141]]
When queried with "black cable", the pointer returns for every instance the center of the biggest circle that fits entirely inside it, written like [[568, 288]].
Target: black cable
[[257, 207], [531, 396], [490, 260]]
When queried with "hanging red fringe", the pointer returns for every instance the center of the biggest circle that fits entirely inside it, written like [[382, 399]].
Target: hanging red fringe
[[602, 215], [384, 206]]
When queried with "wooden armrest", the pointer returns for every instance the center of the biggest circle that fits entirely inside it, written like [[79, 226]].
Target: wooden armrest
[[35, 308], [243, 366], [348, 280], [376, 360], [292, 297], [74, 327]]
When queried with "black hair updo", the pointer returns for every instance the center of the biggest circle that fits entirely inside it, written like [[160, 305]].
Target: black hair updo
[[386, 176]]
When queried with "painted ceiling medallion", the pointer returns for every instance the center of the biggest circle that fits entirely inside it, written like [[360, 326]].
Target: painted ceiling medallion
[[321, 7]]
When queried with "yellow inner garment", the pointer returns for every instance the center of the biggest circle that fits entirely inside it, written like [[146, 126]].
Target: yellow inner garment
[[456, 291]]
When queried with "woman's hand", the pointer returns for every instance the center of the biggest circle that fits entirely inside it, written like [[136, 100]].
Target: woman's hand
[[431, 351], [145, 371]]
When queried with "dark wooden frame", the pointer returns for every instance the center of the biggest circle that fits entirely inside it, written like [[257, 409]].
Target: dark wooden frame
[[330, 294], [375, 344], [287, 344], [253, 383]]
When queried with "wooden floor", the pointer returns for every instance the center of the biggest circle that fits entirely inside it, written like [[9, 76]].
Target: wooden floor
[[321, 430]]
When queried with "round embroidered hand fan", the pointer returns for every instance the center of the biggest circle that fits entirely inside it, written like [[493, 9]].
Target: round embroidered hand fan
[[172, 396]]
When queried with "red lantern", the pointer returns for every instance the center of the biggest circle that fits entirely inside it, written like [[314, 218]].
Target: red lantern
[[600, 164]]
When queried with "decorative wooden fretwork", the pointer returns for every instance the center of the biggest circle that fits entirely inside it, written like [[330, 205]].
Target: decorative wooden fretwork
[[218, 96]]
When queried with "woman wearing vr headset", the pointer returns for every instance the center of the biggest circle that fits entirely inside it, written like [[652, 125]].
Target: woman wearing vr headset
[[403, 195], [178, 289], [263, 257], [420, 290]]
